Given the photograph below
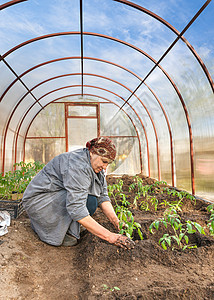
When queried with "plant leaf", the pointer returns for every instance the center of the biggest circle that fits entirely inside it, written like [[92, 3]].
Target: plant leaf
[[199, 228], [164, 245], [140, 233], [186, 239]]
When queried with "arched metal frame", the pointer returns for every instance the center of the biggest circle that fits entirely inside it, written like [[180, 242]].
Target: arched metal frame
[[158, 159], [103, 77], [180, 36], [148, 56], [17, 134], [10, 3], [75, 95]]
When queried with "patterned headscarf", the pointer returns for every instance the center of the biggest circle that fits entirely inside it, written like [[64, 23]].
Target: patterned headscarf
[[102, 146]]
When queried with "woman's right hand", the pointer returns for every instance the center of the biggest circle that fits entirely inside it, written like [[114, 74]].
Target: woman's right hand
[[121, 241]]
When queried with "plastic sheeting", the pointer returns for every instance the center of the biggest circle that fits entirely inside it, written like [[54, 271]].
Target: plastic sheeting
[[153, 89]]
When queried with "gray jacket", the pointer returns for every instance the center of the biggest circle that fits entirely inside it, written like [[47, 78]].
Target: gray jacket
[[56, 197]]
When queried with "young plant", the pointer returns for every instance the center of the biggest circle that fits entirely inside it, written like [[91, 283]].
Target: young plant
[[142, 190], [172, 219], [127, 223], [177, 204], [210, 223], [115, 190], [115, 288], [148, 202], [158, 183], [18, 180]]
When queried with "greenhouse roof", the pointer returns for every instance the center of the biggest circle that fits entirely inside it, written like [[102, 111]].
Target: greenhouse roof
[[149, 65]]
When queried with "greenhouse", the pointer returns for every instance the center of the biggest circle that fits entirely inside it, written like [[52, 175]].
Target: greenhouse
[[139, 73]]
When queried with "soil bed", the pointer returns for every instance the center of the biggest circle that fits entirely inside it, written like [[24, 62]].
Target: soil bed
[[30, 269]]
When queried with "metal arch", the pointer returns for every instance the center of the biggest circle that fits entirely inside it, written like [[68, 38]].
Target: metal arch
[[81, 43], [146, 11], [116, 95], [10, 3], [163, 21], [16, 139], [142, 52], [127, 44], [65, 58], [190, 132], [170, 134], [157, 143]]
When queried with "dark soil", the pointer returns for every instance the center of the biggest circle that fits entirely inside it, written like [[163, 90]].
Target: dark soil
[[30, 269]]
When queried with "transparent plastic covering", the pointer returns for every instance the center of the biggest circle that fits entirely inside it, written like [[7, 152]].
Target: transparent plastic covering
[[139, 72]]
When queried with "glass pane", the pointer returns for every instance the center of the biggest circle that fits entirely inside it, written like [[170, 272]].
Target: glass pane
[[43, 150], [128, 159], [50, 122], [114, 123], [80, 131], [83, 111]]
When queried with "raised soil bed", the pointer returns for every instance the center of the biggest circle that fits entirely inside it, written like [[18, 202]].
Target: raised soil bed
[[31, 269]]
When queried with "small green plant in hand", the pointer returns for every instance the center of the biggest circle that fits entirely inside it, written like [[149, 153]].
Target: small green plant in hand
[[172, 219], [210, 223]]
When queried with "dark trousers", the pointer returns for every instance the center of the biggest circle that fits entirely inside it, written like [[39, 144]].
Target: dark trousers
[[91, 204]]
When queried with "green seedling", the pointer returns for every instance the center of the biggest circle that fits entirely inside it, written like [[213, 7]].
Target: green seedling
[[210, 223], [127, 223], [179, 194], [142, 190], [173, 204], [115, 288], [18, 180], [148, 202], [158, 183], [172, 219], [177, 204]]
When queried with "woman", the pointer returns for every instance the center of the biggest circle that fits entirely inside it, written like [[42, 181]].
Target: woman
[[66, 193]]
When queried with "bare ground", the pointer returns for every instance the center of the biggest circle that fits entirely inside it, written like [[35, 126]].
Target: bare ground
[[31, 269]]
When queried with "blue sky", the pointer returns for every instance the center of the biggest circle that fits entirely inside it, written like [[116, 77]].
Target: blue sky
[[33, 18]]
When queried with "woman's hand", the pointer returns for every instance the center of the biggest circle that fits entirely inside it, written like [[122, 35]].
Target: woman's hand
[[121, 241]]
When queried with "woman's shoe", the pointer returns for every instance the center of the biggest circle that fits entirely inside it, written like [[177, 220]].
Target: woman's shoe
[[69, 240]]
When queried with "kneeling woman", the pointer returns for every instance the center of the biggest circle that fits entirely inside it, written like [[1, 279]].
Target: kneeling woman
[[66, 193]]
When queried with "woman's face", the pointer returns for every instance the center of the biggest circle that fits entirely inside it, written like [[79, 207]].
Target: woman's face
[[98, 162]]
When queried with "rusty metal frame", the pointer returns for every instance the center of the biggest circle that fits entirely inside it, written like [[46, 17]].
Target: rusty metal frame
[[157, 145], [172, 164], [81, 47], [10, 3], [67, 116], [74, 95], [163, 21], [157, 64], [142, 52], [148, 156], [14, 111]]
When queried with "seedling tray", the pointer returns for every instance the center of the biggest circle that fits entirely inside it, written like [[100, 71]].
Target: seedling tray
[[14, 207]]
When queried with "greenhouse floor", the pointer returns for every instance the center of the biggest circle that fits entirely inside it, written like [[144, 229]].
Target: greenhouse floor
[[30, 269]]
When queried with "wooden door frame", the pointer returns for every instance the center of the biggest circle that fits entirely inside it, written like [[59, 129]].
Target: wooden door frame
[[66, 105]]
